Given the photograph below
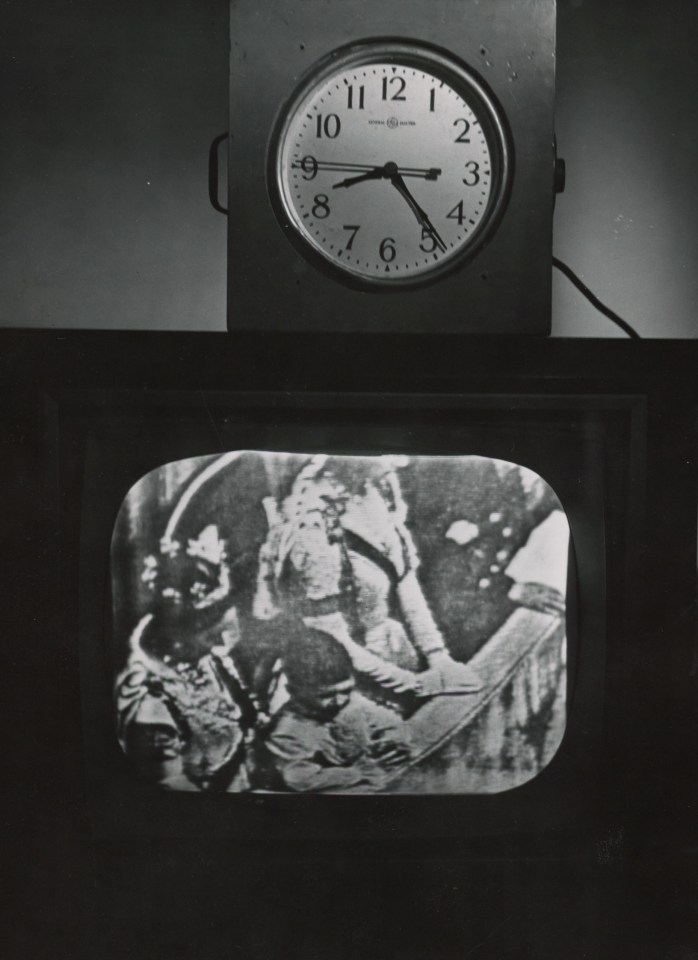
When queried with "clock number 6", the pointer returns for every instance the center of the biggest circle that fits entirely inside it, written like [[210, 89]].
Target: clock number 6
[[387, 250]]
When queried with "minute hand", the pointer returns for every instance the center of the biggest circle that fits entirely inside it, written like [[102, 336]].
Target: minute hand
[[421, 216]]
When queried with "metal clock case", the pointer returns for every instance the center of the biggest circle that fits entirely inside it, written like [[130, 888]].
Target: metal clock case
[[393, 224], [396, 148]]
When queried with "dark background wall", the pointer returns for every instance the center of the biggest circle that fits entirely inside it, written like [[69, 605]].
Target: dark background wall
[[109, 109]]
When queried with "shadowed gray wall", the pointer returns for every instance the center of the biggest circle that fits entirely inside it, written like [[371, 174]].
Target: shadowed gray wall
[[109, 110]]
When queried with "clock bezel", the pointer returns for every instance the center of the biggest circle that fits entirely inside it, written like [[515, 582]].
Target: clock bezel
[[462, 78]]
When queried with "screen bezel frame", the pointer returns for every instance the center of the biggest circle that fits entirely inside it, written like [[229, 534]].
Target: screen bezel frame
[[120, 803], [650, 680]]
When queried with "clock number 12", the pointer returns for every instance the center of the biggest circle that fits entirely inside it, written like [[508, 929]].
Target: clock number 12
[[398, 94]]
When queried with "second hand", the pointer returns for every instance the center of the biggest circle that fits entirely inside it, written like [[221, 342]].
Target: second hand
[[311, 166]]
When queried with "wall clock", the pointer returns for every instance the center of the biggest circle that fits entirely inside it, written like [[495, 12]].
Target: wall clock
[[391, 166]]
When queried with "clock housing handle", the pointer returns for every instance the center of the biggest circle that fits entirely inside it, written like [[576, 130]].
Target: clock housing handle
[[213, 167]]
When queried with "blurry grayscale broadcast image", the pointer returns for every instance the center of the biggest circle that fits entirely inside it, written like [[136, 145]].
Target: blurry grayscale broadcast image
[[313, 623]]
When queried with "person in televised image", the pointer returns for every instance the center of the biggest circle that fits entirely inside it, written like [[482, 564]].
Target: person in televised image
[[492, 538], [339, 554], [328, 737], [184, 715]]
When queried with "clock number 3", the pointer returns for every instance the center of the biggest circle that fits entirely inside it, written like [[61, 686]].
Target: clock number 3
[[473, 167]]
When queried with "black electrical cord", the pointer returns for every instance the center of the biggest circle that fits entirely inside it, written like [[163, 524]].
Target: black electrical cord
[[594, 300]]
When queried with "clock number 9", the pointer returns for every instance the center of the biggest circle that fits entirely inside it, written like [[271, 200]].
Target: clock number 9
[[321, 206], [387, 250], [329, 126], [309, 166], [474, 167]]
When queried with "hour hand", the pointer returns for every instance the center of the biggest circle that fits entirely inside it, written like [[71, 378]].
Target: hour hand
[[387, 171], [375, 174]]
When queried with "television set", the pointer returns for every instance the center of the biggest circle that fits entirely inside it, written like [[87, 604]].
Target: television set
[[128, 448]]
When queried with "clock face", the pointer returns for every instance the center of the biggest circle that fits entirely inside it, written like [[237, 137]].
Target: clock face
[[390, 165]]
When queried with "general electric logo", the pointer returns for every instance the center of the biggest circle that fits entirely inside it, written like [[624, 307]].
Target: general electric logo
[[392, 122]]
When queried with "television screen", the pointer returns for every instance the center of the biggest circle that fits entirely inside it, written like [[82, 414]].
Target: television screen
[[490, 546], [340, 624], [433, 552]]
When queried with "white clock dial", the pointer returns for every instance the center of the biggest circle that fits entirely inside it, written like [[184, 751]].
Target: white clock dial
[[390, 165]]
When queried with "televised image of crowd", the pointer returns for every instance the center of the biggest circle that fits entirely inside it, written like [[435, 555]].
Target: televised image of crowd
[[282, 621]]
